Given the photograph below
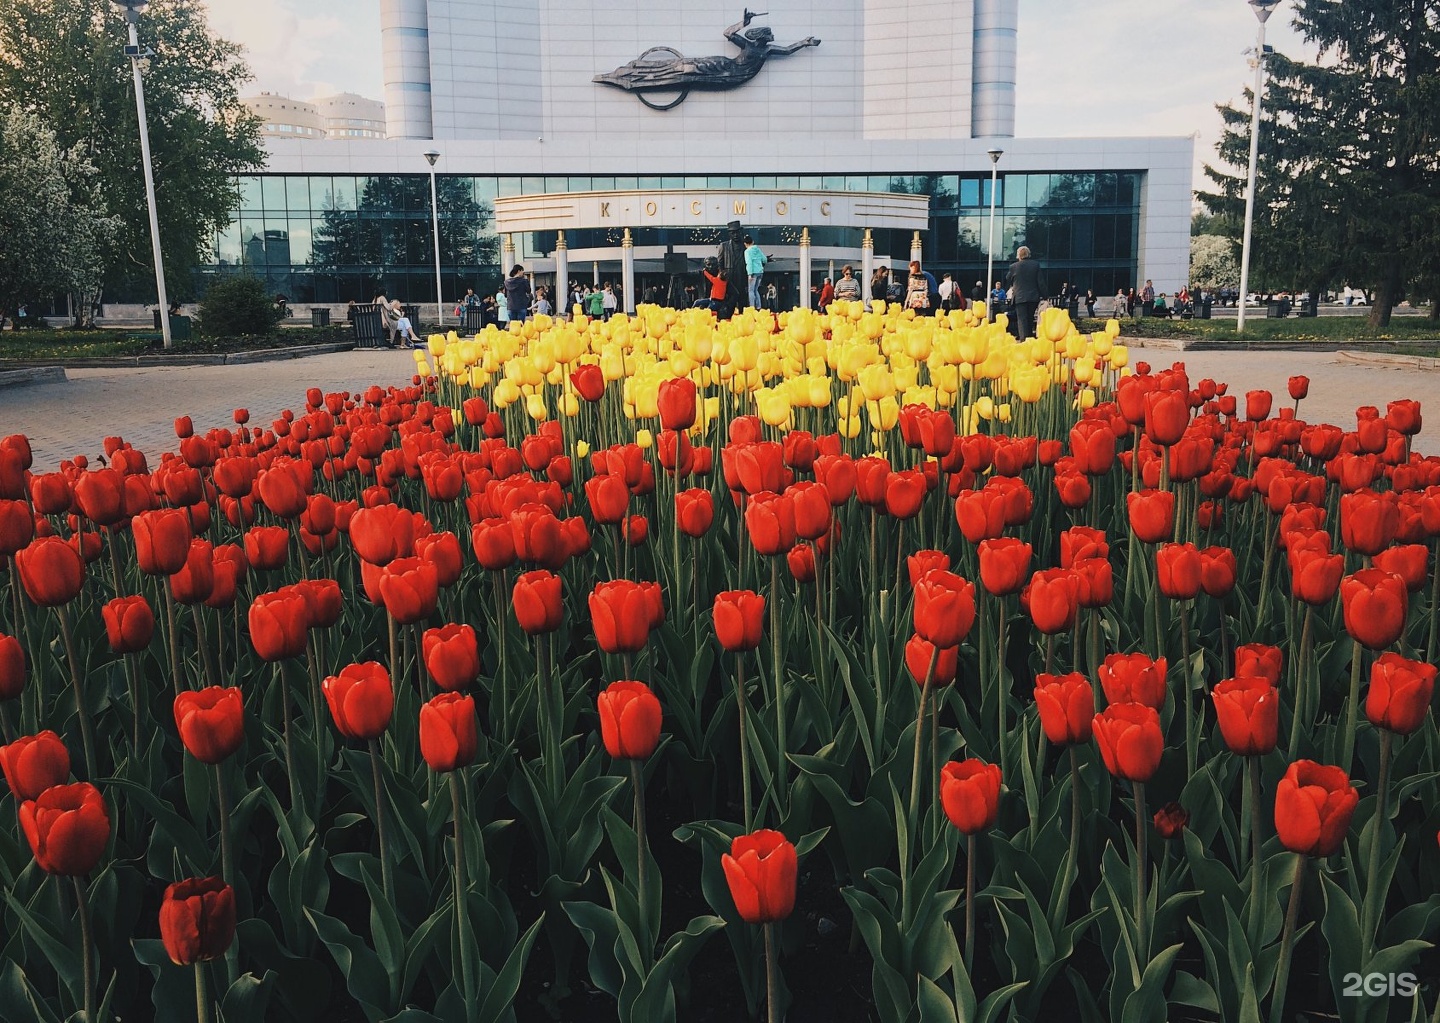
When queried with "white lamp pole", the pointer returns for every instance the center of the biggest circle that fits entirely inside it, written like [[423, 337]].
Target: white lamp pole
[[133, 51], [1263, 10], [995, 155], [432, 155]]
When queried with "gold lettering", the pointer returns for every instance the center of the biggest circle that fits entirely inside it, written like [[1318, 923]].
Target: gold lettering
[[650, 209], [695, 207], [604, 209], [824, 209], [739, 207], [781, 208]]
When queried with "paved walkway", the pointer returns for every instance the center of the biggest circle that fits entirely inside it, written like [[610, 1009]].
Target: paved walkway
[[64, 419]]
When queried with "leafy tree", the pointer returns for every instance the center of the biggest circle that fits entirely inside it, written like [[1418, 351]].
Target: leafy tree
[[64, 62], [53, 227], [237, 304], [1213, 263], [1349, 167]]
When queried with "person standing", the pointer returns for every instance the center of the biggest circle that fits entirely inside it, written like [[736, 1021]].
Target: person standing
[[732, 266], [920, 288], [1121, 304], [998, 299], [1090, 303], [754, 270], [542, 302], [847, 288], [827, 295], [502, 307], [517, 294], [947, 292], [880, 284], [609, 301], [977, 293], [1027, 279]]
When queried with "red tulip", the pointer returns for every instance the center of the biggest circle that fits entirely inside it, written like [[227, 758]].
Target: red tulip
[[266, 547], [68, 827], [1134, 678], [970, 794], [676, 402], [588, 381], [1067, 706], [100, 495], [695, 510], [812, 510], [1092, 444], [1313, 807], [1152, 514], [1411, 562], [278, 624], [12, 667], [944, 608], [51, 571], [33, 763], [621, 614], [770, 521], [1368, 521], [1130, 740], [361, 700], [17, 526], [282, 488], [1052, 598], [197, 920], [410, 588], [917, 659], [1170, 820], [1218, 570], [629, 720], [739, 619], [905, 493], [323, 601], [382, 533], [494, 544], [1004, 565], [1178, 568], [1298, 386], [538, 601], [1167, 414], [211, 722], [448, 734], [1081, 542], [1374, 604], [1314, 575], [1257, 405], [1259, 659], [980, 514], [195, 581], [760, 869], [1248, 708], [801, 561], [609, 499], [1403, 416], [1400, 693], [452, 656]]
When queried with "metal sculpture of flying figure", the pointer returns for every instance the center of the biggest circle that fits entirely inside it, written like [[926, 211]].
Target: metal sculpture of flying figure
[[663, 69]]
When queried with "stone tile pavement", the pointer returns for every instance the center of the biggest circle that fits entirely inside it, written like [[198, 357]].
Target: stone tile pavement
[[63, 419]]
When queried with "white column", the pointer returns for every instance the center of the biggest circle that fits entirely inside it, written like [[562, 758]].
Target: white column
[[509, 252], [917, 248], [627, 272], [560, 301], [805, 268], [867, 266], [595, 273]]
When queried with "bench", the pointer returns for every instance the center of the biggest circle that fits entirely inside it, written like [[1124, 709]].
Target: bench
[[368, 323]]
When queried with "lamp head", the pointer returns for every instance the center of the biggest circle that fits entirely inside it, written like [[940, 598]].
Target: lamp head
[[1264, 8], [995, 155], [132, 5], [432, 155]]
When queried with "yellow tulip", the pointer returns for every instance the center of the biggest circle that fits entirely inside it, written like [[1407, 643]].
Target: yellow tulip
[[1003, 413], [506, 393], [644, 438], [984, 407], [535, 407], [876, 382], [569, 404], [1085, 399], [435, 343], [1119, 357], [884, 414], [582, 449], [1084, 370]]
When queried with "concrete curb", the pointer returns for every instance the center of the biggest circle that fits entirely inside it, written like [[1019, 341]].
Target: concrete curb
[[231, 359], [32, 375], [1391, 361], [1173, 344]]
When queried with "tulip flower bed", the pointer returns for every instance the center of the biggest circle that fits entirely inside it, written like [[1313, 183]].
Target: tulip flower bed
[[858, 666]]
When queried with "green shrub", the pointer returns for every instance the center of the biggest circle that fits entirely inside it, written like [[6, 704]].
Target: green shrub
[[238, 305]]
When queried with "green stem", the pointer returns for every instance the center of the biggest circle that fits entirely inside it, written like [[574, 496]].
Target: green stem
[[1142, 924], [132, 683], [777, 669], [743, 710], [1264, 576], [969, 903], [1434, 625], [202, 640], [919, 745], [772, 975], [462, 909], [1287, 941], [174, 636], [1072, 865], [1374, 898], [290, 774], [1000, 687], [1302, 685], [1352, 707], [387, 869], [87, 729], [642, 849], [87, 940], [202, 996], [1185, 693], [1252, 767]]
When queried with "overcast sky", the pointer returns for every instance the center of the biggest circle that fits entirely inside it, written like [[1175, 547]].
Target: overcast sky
[[1092, 68]]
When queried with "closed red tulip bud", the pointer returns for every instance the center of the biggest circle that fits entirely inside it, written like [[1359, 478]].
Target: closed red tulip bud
[[195, 581], [1400, 693], [452, 656], [872, 476], [1152, 514], [12, 667], [410, 589], [1410, 562], [278, 624], [539, 602], [770, 521], [629, 720], [920, 562], [17, 526], [1052, 599], [609, 499], [1374, 605], [34, 763], [1261, 660], [1177, 570], [1314, 575], [695, 510], [1313, 806], [812, 509], [50, 493], [1170, 820], [588, 381], [970, 794], [1248, 709], [944, 608], [621, 614], [282, 488], [917, 659], [1299, 387], [1218, 571], [1403, 416], [837, 473], [361, 700], [266, 547], [1257, 405], [493, 543], [757, 467], [1004, 565], [1079, 543], [162, 540], [905, 493], [1134, 678], [211, 722], [448, 734], [739, 619], [636, 529], [382, 533], [1368, 521], [51, 571], [197, 920], [1094, 582], [1130, 740], [980, 514], [1167, 414], [442, 552], [68, 827], [1092, 444], [761, 869], [576, 536], [324, 602], [538, 535], [801, 560], [676, 401], [101, 496], [1067, 706]]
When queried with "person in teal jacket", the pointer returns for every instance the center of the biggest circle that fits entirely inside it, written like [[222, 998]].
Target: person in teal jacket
[[754, 268]]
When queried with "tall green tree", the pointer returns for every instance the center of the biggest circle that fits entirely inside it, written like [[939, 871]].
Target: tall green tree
[[63, 61], [53, 228], [1349, 167]]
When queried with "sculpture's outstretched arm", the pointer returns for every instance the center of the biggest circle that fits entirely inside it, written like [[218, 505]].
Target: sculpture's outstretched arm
[[785, 51]]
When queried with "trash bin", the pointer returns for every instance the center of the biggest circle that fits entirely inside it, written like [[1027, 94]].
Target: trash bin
[[1275, 310], [474, 319], [319, 317], [1205, 304], [179, 326]]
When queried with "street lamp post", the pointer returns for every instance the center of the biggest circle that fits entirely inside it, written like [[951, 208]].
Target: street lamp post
[[431, 155], [995, 155], [136, 54], [1263, 10]]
